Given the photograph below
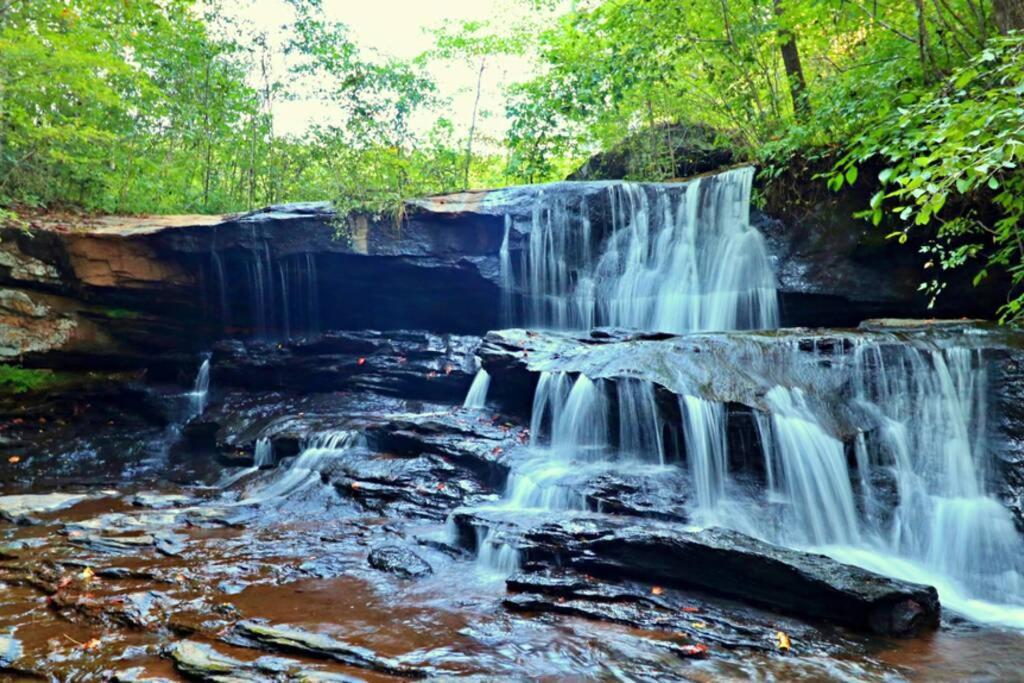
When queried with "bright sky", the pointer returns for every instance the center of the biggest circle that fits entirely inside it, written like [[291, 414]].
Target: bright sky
[[400, 28]]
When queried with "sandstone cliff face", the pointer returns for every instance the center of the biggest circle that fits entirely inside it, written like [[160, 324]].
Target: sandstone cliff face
[[34, 322], [117, 290]]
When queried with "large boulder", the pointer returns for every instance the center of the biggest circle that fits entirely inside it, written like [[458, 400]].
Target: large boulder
[[670, 150]]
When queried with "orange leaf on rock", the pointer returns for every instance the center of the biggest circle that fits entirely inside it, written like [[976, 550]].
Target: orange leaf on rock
[[361, 361], [783, 641], [657, 590], [14, 459], [691, 610], [697, 650]]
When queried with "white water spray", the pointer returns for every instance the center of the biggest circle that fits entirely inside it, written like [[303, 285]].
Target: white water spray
[[200, 389], [676, 258], [477, 396]]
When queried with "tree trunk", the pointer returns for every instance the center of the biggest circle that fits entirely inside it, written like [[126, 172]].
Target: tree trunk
[[1008, 15], [472, 126], [927, 63], [794, 69]]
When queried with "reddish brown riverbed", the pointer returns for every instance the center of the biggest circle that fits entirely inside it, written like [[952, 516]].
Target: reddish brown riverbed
[[86, 596]]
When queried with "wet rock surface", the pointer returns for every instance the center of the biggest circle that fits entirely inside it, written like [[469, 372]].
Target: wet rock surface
[[410, 365], [292, 521], [398, 560], [724, 562]]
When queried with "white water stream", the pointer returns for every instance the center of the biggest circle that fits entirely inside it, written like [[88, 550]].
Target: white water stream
[[908, 493]]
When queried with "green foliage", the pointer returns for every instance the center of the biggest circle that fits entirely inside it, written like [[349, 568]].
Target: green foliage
[[119, 313], [960, 144], [18, 380], [932, 90], [122, 106]]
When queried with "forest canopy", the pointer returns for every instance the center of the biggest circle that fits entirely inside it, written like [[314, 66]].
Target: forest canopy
[[168, 106]]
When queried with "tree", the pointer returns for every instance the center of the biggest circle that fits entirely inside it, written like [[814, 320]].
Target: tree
[[475, 41], [1008, 15], [794, 71]]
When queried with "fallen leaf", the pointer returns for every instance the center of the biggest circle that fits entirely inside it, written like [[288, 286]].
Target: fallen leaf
[[87, 574], [355, 484], [691, 610], [697, 650], [14, 459], [699, 624], [361, 361], [657, 590], [91, 644], [783, 641]]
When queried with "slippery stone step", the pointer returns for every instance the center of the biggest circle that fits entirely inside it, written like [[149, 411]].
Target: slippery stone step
[[290, 639], [205, 663], [719, 561]]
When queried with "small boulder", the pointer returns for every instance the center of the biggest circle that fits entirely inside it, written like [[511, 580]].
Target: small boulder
[[399, 560]]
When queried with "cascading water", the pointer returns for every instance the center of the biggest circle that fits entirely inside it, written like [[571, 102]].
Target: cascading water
[[901, 489], [640, 425], [914, 503], [930, 408], [263, 455], [261, 290], [281, 292], [706, 452], [222, 287], [477, 396], [304, 470], [200, 389], [812, 474], [675, 258]]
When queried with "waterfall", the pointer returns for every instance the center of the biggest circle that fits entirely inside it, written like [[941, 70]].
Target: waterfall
[[640, 424], [706, 452], [505, 273], [304, 470], [477, 396], [676, 258], [286, 314], [909, 497], [200, 389], [261, 290], [874, 452], [494, 555], [581, 429], [263, 454], [222, 287], [812, 471], [930, 406], [548, 400], [312, 293], [283, 293]]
